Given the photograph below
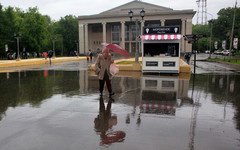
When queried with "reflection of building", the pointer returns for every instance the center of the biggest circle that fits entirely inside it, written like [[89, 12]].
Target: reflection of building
[[114, 25], [83, 81], [161, 95]]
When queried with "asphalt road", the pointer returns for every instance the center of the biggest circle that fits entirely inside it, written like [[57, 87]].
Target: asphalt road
[[203, 66]]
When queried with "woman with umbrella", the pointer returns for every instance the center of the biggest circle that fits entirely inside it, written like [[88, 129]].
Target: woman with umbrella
[[102, 68]]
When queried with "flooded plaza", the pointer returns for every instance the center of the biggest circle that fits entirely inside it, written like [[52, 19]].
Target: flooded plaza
[[58, 107]]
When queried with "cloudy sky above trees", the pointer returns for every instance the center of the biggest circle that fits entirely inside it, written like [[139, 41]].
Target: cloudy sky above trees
[[60, 8]]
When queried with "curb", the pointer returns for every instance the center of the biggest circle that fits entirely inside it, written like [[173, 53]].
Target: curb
[[183, 66], [36, 61]]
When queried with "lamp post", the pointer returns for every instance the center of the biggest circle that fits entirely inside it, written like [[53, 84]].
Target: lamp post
[[17, 36], [142, 14], [231, 37], [53, 40], [211, 34], [77, 41]]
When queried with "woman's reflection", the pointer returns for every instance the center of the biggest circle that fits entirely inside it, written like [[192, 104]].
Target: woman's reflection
[[104, 123]]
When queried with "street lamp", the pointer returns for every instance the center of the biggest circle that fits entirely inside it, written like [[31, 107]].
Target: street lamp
[[77, 41], [211, 34], [142, 14], [53, 40], [17, 36]]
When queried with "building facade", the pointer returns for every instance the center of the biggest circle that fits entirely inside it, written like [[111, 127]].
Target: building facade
[[114, 26]]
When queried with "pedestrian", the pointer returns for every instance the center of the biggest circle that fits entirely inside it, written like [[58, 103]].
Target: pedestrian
[[102, 68], [90, 54], [187, 57], [25, 54], [50, 54], [45, 55]]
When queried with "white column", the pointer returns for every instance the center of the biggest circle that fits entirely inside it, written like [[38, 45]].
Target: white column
[[86, 38], [162, 22], [123, 34], [188, 30], [183, 49], [104, 32], [81, 38]]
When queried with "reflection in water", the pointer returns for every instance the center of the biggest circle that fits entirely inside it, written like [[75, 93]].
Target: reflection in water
[[32, 87], [45, 73], [104, 123], [223, 89], [161, 95]]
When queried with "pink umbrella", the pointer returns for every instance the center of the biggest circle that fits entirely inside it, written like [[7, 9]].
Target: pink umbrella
[[115, 136], [45, 54], [116, 48]]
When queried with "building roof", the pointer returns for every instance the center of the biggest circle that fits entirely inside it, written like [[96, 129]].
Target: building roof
[[136, 6]]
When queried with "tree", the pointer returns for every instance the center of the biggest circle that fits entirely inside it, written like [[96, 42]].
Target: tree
[[222, 26], [34, 31], [203, 43], [7, 29], [68, 28]]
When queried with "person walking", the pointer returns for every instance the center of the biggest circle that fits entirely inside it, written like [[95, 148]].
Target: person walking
[[50, 54], [102, 68], [90, 54], [187, 57]]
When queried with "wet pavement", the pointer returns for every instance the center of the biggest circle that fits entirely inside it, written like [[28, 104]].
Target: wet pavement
[[58, 107]]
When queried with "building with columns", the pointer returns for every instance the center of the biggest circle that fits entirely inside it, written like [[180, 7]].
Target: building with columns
[[114, 25]]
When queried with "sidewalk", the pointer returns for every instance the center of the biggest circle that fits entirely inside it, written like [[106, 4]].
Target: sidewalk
[[184, 67], [36, 61]]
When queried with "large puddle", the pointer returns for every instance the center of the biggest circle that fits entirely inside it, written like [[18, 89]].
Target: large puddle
[[59, 110]]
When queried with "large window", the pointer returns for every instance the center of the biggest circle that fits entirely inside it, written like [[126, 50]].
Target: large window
[[116, 33], [130, 32]]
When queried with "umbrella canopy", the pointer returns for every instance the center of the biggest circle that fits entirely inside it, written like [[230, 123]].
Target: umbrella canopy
[[116, 48], [115, 136], [45, 54]]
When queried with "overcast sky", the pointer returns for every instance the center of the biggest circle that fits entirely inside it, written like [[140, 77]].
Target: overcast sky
[[60, 8]]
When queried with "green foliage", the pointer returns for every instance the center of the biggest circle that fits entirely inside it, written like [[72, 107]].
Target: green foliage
[[201, 29], [7, 28], [36, 30], [68, 28], [221, 29], [223, 25], [203, 43]]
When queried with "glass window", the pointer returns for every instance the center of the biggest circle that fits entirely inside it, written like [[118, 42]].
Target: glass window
[[127, 36], [133, 28], [115, 36], [116, 32], [115, 28], [126, 27], [133, 36]]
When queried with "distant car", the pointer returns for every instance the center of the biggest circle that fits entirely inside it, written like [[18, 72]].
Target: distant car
[[207, 51], [225, 52], [218, 52]]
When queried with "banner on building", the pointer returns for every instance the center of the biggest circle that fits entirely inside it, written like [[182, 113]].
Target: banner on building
[[224, 44], [6, 47], [216, 44], [235, 43]]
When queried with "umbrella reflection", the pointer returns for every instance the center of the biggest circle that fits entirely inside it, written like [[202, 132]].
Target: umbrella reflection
[[45, 73], [104, 123]]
